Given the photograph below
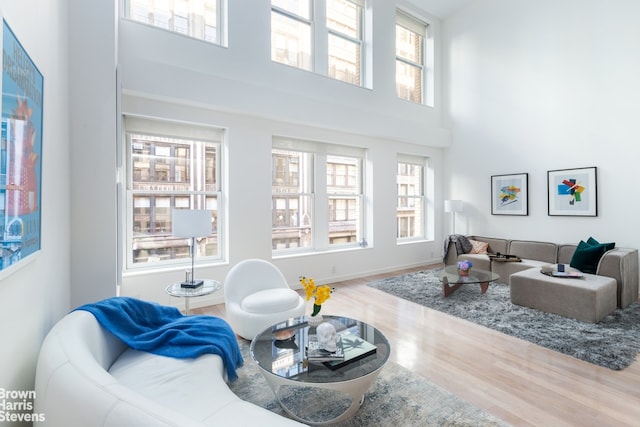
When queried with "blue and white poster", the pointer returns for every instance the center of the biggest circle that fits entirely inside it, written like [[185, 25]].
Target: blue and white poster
[[21, 152]]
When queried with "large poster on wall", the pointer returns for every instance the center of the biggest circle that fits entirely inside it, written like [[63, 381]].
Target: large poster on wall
[[21, 152]]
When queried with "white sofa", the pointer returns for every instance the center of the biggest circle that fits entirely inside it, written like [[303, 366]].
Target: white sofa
[[87, 377]]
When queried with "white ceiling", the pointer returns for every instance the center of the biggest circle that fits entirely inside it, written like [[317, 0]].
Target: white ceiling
[[441, 8]]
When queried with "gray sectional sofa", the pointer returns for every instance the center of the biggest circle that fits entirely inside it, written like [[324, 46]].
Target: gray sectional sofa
[[618, 263]]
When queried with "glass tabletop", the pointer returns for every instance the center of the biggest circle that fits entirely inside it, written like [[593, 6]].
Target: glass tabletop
[[280, 350], [208, 287], [476, 275]]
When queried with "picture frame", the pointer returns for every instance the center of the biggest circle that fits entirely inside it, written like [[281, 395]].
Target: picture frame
[[21, 152], [510, 194], [573, 192]]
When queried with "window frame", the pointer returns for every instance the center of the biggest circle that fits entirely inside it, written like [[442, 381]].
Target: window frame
[[175, 134], [422, 162], [320, 193], [221, 21], [419, 27], [319, 49]]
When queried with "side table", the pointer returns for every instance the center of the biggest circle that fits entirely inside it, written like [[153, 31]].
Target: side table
[[208, 287]]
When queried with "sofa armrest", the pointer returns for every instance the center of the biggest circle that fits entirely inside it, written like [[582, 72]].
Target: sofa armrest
[[481, 261], [622, 265]]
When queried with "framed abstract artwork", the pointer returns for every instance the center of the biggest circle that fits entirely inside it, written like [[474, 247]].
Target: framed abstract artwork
[[21, 152], [510, 194], [573, 192]]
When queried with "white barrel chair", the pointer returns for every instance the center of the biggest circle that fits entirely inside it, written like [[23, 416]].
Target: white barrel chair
[[257, 296]]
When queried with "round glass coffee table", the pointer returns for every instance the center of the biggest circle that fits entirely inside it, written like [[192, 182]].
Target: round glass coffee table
[[451, 279], [320, 392]]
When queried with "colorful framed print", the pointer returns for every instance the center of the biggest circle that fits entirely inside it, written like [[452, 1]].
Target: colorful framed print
[[21, 152], [573, 192], [510, 194]]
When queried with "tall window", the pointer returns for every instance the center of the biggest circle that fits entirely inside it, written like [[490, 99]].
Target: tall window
[[410, 180], [324, 36], [345, 40], [201, 19], [169, 166], [292, 199], [317, 197], [344, 191], [410, 58]]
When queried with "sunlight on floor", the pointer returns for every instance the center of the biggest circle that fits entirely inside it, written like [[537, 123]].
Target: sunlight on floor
[[407, 352]]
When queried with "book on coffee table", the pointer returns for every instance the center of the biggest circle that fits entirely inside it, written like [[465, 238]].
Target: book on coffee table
[[355, 348], [571, 274], [564, 274], [315, 353]]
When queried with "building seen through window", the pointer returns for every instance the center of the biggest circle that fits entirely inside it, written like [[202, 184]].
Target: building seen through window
[[200, 19], [294, 195], [166, 173], [411, 200], [410, 58], [331, 46]]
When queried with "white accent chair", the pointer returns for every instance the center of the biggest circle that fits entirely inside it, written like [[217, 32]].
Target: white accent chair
[[257, 296]]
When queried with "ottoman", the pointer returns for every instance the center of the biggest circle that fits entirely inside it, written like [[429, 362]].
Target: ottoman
[[588, 299]]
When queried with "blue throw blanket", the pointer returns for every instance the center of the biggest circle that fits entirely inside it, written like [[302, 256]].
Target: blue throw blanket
[[163, 330]]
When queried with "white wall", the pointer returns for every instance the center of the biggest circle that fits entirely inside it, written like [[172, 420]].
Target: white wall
[[241, 89], [35, 293], [93, 131], [538, 86]]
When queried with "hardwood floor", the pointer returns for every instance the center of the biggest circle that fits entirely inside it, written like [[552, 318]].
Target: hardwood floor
[[519, 382]]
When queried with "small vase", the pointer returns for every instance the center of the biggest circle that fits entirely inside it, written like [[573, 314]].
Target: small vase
[[463, 272], [314, 320]]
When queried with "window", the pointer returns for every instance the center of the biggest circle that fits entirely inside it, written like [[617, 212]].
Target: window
[[410, 58], [324, 36], [345, 40], [292, 199], [317, 200], [291, 26], [200, 19], [411, 197], [170, 165]]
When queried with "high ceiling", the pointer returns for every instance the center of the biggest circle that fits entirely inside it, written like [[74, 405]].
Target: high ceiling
[[441, 8]]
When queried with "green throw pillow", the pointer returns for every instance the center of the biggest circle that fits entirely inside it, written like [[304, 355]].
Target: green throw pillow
[[607, 246], [588, 254]]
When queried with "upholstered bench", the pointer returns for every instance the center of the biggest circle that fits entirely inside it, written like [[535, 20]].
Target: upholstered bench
[[589, 298]]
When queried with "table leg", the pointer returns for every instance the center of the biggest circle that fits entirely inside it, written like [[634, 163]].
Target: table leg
[[449, 289], [355, 389], [186, 305], [484, 286]]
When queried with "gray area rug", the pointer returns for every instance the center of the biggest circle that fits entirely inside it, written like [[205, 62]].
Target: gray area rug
[[397, 398], [612, 343]]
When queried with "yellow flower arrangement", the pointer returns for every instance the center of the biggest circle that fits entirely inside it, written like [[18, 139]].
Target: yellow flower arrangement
[[319, 293]]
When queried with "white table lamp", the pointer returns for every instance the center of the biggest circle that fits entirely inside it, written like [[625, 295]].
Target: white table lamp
[[191, 223], [453, 206]]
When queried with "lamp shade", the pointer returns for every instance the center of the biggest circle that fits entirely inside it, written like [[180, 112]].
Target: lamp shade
[[191, 223], [453, 205]]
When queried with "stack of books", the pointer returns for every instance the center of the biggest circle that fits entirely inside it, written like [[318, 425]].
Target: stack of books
[[350, 348], [354, 347]]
